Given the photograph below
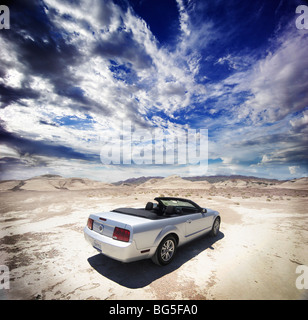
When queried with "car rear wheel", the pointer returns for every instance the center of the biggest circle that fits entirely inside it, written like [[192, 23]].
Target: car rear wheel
[[165, 251]]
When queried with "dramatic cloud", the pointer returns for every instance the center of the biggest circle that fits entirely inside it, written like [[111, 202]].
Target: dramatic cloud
[[73, 72]]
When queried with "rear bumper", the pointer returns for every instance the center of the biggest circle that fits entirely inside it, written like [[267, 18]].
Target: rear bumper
[[118, 250]]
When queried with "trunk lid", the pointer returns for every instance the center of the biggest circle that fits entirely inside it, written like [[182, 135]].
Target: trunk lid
[[105, 223]]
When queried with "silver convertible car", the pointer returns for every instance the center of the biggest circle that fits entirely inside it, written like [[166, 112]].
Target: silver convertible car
[[129, 234]]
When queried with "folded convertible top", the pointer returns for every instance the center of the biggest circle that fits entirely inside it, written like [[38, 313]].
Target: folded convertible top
[[148, 214]]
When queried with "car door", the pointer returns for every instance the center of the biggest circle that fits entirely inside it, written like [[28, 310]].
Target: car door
[[196, 223]]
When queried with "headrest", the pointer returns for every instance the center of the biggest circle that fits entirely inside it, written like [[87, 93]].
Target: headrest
[[149, 206], [169, 210]]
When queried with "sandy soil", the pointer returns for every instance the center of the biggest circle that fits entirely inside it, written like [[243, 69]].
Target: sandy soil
[[263, 238]]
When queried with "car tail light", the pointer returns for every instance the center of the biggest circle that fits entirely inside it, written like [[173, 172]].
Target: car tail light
[[121, 234], [90, 224]]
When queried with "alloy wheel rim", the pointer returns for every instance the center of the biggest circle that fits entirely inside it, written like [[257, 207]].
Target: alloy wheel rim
[[167, 250]]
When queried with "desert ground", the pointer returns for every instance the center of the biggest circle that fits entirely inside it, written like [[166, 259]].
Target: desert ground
[[262, 240]]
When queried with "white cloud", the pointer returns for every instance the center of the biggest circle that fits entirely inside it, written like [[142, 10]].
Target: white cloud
[[300, 125], [271, 87], [184, 18], [293, 169], [6, 151], [279, 82]]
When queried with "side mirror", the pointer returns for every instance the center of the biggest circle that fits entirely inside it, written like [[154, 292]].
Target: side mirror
[[204, 210]]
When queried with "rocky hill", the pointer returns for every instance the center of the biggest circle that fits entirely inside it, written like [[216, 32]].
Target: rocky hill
[[52, 183]]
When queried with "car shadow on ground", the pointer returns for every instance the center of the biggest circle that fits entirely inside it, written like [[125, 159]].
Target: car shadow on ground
[[141, 273]]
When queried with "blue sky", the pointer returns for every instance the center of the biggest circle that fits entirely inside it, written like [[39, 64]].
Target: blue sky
[[74, 73]]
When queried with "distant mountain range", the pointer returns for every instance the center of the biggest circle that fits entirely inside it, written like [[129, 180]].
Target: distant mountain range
[[210, 179], [49, 182]]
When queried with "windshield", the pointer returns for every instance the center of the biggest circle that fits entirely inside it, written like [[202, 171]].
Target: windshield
[[179, 203]]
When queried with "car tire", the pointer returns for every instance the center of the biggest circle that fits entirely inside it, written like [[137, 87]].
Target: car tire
[[165, 251], [215, 227]]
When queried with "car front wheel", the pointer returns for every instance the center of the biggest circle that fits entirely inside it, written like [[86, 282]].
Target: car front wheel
[[215, 227], [165, 251]]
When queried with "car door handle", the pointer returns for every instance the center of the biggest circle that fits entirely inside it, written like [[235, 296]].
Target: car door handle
[[189, 221]]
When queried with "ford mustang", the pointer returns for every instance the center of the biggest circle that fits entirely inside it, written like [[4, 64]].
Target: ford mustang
[[130, 234]]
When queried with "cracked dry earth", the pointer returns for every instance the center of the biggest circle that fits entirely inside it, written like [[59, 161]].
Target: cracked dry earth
[[255, 255]]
